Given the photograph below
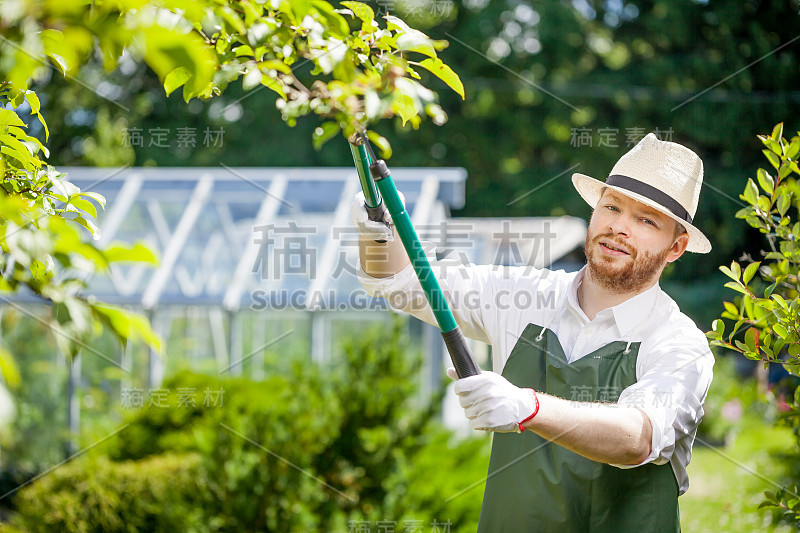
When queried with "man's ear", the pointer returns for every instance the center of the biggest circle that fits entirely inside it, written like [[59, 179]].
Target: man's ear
[[678, 247]]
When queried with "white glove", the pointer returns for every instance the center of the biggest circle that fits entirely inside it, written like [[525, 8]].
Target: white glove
[[377, 231], [492, 403]]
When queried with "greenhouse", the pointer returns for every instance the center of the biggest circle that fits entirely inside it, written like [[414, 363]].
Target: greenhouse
[[258, 262]]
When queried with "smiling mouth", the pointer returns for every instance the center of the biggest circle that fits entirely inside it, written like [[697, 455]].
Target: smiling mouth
[[613, 248]]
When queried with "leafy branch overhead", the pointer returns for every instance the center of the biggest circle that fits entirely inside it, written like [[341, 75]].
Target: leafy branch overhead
[[337, 63], [43, 247]]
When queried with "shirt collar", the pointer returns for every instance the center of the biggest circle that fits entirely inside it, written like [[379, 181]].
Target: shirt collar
[[627, 315]]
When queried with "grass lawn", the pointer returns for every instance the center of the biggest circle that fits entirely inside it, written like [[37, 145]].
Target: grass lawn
[[728, 483]]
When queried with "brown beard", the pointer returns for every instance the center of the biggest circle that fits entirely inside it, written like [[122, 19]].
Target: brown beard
[[636, 275]]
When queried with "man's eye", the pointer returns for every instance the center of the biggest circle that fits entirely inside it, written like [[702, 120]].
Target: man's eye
[[612, 207], [648, 221]]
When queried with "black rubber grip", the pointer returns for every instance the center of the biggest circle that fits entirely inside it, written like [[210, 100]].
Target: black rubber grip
[[379, 170], [462, 358], [376, 214]]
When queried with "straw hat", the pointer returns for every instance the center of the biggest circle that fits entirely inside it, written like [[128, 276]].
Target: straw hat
[[663, 175]]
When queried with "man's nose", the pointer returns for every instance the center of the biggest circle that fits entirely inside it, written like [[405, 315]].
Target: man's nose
[[620, 225]]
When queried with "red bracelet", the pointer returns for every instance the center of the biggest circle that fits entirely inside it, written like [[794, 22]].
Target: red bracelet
[[536, 410]]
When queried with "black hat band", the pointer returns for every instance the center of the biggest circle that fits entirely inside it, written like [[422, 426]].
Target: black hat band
[[650, 192]]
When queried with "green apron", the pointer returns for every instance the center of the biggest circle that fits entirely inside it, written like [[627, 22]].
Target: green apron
[[538, 486]]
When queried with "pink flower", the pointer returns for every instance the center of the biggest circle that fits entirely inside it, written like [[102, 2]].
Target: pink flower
[[732, 410]]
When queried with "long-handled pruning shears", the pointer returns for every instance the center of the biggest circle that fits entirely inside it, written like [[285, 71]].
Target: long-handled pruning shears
[[380, 194]]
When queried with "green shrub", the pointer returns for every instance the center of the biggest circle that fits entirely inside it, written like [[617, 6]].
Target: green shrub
[[763, 321], [312, 450], [158, 494]]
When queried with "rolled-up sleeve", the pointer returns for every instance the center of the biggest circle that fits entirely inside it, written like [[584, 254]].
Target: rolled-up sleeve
[[465, 286], [675, 373]]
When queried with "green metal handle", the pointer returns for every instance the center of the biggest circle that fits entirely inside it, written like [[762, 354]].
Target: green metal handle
[[372, 198], [362, 160], [460, 354]]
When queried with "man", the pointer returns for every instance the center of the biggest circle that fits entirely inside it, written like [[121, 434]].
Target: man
[[599, 390]]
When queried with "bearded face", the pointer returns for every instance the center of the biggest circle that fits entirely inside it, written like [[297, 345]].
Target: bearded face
[[620, 267]]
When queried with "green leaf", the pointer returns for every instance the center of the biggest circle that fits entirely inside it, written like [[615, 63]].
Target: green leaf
[[97, 197], [9, 118], [273, 84], [777, 132], [732, 309], [361, 10], [237, 24], [56, 49], [772, 157], [89, 225], [416, 41], [778, 298], [777, 347], [444, 73], [243, 50], [334, 22], [718, 326], [779, 330], [165, 50], [736, 286], [736, 269], [727, 271], [300, 8], [403, 106], [774, 146], [766, 181], [381, 142], [784, 202], [83, 205], [784, 170], [23, 157], [46, 133], [33, 101], [793, 148], [175, 79], [324, 133], [750, 271], [751, 192], [769, 289], [128, 325], [9, 368], [395, 23], [794, 350], [274, 64], [139, 253]]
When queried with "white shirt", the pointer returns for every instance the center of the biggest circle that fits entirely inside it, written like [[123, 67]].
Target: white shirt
[[494, 304]]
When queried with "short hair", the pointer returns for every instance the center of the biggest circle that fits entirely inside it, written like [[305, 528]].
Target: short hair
[[679, 229]]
